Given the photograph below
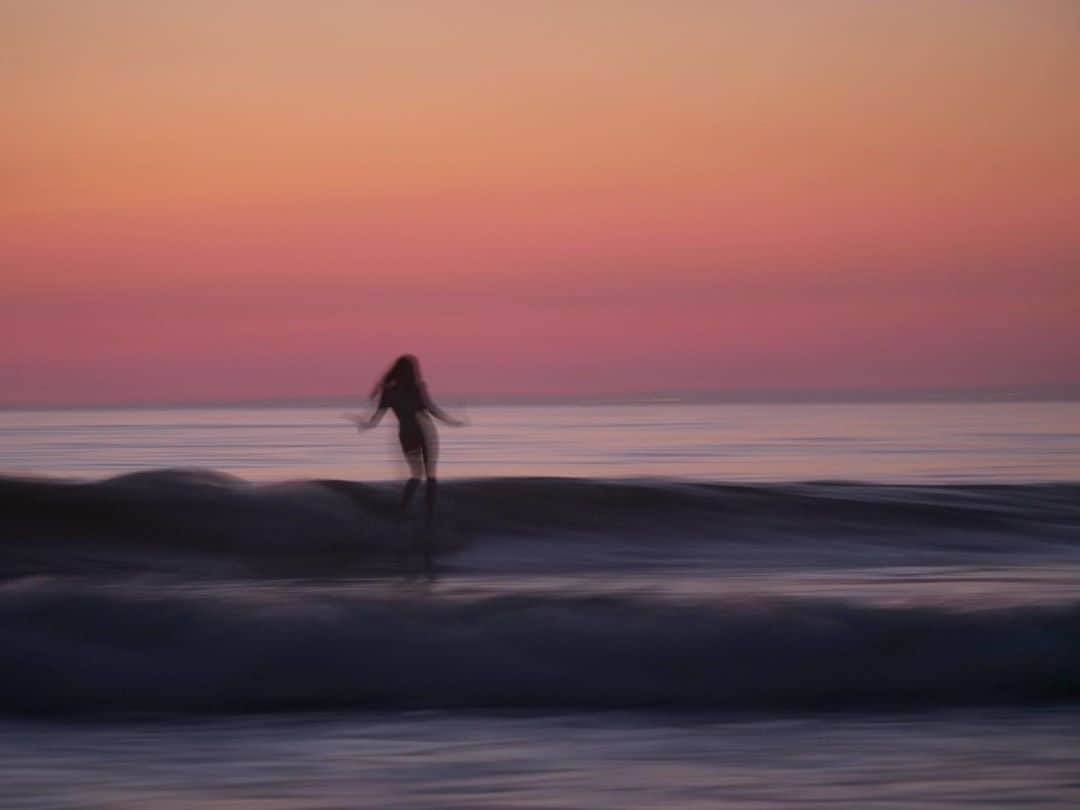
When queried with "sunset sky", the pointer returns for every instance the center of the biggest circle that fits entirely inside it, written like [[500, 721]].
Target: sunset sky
[[215, 201]]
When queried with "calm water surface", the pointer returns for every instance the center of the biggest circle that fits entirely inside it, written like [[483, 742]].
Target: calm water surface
[[1003, 442]]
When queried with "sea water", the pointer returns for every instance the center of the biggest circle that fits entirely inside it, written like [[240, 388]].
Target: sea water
[[924, 442], [631, 606]]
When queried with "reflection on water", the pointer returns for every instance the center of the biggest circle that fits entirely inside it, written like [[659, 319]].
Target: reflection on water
[[954, 587], [1012, 442], [949, 759]]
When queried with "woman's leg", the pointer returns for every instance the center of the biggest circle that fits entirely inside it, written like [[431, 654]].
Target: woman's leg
[[430, 491], [414, 458], [429, 453], [408, 492]]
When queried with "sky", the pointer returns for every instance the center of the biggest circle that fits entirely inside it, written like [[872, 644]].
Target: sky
[[225, 201]]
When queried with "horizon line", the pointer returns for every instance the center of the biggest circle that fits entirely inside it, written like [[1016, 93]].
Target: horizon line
[[1065, 392]]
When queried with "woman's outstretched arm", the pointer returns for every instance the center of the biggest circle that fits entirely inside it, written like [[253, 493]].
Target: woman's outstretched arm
[[439, 413], [367, 422], [373, 420]]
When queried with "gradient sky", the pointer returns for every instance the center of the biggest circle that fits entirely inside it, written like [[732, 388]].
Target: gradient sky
[[232, 200]]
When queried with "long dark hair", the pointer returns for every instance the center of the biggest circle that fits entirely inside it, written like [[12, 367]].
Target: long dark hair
[[404, 374]]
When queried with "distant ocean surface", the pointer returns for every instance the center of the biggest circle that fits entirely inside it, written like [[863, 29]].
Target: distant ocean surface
[[881, 442], [631, 606]]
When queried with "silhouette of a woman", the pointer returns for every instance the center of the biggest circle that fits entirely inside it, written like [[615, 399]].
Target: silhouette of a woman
[[402, 390]]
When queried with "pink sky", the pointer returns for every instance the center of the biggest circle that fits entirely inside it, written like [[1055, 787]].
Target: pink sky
[[227, 200]]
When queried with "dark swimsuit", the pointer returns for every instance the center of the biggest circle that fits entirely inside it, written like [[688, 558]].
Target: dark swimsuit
[[415, 431]]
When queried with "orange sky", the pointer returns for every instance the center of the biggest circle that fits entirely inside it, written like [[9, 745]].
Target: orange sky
[[231, 200]]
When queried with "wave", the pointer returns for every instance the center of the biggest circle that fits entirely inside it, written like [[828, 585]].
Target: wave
[[70, 648], [184, 519]]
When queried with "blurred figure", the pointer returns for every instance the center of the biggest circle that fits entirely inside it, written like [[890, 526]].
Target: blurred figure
[[402, 390]]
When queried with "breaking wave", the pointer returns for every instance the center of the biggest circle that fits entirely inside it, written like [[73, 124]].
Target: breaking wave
[[199, 520], [69, 647]]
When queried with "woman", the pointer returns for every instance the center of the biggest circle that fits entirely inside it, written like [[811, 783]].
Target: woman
[[402, 390]]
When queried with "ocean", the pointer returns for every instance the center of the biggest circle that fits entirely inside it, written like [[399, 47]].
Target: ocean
[[629, 605]]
